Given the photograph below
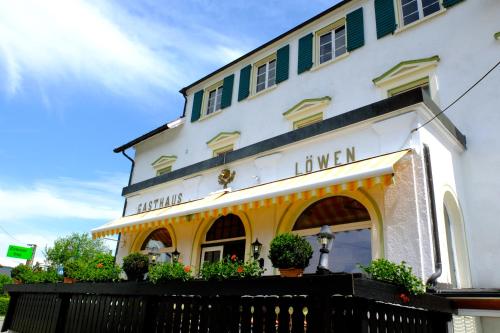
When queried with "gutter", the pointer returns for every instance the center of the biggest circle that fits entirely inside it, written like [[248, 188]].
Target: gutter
[[438, 265]]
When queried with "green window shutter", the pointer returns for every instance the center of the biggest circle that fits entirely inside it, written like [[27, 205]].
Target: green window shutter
[[282, 63], [449, 3], [355, 29], [305, 59], [385, 17], [227, 91], [197, 99], [244, 90]]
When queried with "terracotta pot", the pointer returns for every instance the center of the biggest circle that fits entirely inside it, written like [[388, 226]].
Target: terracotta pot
[[291, 272], [69, 280], [16, 281]]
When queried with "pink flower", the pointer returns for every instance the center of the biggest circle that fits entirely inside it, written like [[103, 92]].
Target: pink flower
[[234, 257]]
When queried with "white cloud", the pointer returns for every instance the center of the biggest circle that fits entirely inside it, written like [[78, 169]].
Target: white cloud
[[63, 198], [124, 51]]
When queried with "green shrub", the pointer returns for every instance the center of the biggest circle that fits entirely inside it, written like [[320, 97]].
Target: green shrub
[[4, 304], [20, 271], [100, 269], [4, 279], [36, 274], [290, 251], [164, 272], [230, 268], [399, 274], [74, 268], [135, 265]]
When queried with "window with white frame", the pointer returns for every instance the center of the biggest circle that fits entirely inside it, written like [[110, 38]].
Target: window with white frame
[[265, 73], [214, 98], [331, 41], [413, 10]]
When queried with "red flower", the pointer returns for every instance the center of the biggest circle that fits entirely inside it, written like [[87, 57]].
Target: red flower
[[240, 269], [404, 298], [99, 265], [234, 257], [187, 269]]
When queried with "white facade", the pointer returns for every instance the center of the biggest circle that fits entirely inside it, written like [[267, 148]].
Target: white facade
[[465, 179]]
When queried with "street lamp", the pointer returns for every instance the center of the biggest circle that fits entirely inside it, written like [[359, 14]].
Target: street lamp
[[256, 249], [325, 239], [175, 256]]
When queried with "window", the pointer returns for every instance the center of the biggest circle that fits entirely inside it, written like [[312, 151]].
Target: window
[[265, 74], [159, 243], [223, 142], [307, 112], [214, 100], [332, 44], [351, 224], [226, 237], [413, 10], [163, 164], [421, 83]]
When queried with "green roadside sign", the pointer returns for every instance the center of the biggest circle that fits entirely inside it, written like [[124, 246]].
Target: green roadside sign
[[19, 252]]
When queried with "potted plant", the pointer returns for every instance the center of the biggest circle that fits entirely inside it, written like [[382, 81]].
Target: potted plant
[[72, 270], [135, 265], [290, 253]]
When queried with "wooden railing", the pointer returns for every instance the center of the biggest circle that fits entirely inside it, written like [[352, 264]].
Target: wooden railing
[[332, 303]]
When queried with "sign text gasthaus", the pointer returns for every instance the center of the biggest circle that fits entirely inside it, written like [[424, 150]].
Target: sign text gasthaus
[[323, 161], [158, 203]]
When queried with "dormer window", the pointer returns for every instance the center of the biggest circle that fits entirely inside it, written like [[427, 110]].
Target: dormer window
[[163, 164], [307, 112], [223, 143]]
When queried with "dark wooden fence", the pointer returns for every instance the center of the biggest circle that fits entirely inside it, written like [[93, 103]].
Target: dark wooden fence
[[333, 303]]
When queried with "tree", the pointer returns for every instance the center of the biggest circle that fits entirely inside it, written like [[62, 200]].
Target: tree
[[73, 247]]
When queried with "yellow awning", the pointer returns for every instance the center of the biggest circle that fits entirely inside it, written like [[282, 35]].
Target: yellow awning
[[365, 173]]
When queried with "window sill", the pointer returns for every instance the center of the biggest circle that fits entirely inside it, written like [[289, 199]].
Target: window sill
[[334, 60], [210, 115], [411, 25], [262, 92]]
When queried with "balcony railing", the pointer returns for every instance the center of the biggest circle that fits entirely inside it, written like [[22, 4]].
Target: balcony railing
[[330, 303]]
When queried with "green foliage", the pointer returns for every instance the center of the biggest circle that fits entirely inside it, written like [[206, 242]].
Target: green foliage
[[36, 274], [4, 304], [399, 274], [74, 268], [290, 251], [74, 246], [4, 279], [135, 265], [101, 268], [230, 268], [164, 272]]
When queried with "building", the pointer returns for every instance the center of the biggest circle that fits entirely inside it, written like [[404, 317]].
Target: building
[[339, 121]]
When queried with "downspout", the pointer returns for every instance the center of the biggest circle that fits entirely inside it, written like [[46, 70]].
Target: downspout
[[438, 265], [183, 92], [125, 204]]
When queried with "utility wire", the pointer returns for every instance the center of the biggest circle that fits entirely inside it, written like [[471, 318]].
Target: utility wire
[[8, 234], [459, 97]]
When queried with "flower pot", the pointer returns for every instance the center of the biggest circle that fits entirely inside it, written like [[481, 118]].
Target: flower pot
[[135, 276], [16, 281], [69, 280], [291, 272]]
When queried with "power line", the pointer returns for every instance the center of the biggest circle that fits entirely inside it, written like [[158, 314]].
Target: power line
[[459, 97], [8, 234]]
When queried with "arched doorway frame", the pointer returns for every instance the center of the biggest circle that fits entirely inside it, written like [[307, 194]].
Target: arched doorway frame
[[460, 248], [204, 226], [142, 235], [291, 215]]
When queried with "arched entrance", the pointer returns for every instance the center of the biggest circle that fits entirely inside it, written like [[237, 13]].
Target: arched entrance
[[158, 242], [351, 223], [226, 237]]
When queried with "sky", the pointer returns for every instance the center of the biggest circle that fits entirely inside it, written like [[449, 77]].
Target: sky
[[81, 77]]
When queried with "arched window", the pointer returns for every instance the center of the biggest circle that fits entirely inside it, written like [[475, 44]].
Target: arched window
[[226, 237], [350, 221], [158, 242]]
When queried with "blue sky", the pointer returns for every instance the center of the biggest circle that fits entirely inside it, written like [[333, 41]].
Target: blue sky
[[81, 77]]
